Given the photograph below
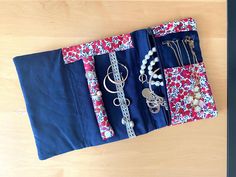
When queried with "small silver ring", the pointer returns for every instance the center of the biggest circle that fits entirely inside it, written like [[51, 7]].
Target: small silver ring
[[142, 78], [127, 101], [156, 111], [151, 104], [114, 102]]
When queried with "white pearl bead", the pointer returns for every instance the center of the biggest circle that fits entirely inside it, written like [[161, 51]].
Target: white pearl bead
[[156, 83], [190, 99], [197, 109], [150, 53], [196, 89], [159, 76], [89, 75], [123, 121], [147, 57], [144, 61], [107, 134], [155, 76], [198, 95], [150, 73], [141, 71], [153, 82], [195, 102], [99, 93], [161, 83], [143, 66], [149, 68], [152, 63], [154, 49], [156, 59], [131, 124]]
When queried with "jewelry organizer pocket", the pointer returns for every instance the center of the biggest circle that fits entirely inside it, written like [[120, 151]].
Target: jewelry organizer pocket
[[189, 94], [150, 78], [188, 91], [179, 49]]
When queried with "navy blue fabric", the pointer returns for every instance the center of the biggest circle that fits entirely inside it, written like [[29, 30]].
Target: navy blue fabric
[[142, 44], [168, 57], [56, 125], [58, 101]]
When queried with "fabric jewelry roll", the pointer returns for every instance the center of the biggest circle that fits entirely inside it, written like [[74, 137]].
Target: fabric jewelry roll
[[157, 75]]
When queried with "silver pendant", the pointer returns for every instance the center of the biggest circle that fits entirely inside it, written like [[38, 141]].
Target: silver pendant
[[153, 101], [147, 93]]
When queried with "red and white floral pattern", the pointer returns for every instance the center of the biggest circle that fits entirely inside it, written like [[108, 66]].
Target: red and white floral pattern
[[186, 24], [99, 47], [180, 83], [106, 130]]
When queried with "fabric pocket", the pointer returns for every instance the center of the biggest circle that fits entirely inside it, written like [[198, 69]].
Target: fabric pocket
[[189, 93]]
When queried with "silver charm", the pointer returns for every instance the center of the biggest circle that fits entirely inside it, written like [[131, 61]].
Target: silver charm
[[142, 78], [154, 101], [147, 93]]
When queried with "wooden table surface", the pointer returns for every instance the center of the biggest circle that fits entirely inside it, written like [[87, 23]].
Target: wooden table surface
[[195, 149]]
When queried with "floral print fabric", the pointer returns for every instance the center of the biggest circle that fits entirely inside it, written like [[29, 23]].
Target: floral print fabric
[[105, 128], [187, 24], [99, 47], [182, 84]]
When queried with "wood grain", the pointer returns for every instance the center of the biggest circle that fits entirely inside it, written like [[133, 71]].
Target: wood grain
[[195, 149]]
